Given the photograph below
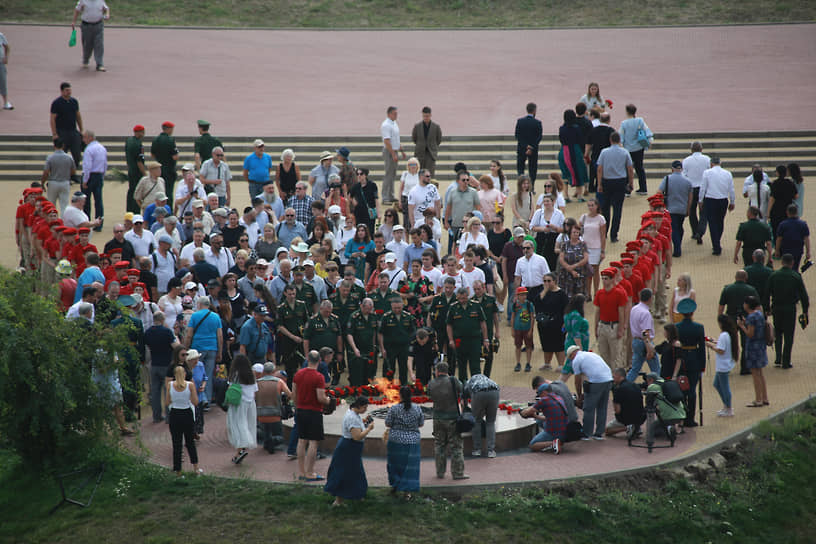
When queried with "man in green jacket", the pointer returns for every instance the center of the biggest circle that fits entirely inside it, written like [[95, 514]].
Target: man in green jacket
[[785, 288], [134, 155], [164, 150]]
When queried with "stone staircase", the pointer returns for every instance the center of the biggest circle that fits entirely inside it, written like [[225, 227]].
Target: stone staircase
[[22, 157]]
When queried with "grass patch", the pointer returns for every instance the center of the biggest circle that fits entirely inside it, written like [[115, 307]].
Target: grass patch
[[764, 494], [422, 13]]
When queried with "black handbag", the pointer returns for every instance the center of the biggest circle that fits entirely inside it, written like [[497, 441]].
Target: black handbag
[[464, 422]]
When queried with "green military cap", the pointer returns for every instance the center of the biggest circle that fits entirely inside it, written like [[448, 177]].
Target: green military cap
[[299, 269], [203, 123]]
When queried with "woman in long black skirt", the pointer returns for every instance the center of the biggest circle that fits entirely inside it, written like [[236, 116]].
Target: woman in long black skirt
[[346, 478]]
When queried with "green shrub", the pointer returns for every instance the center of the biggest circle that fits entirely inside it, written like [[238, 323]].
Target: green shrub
[[51, 410]]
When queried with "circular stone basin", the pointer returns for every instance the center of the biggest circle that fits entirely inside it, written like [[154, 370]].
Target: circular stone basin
[[512, 432]]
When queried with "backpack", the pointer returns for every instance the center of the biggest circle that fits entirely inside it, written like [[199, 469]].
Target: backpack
[[671, 391], [233, 395]]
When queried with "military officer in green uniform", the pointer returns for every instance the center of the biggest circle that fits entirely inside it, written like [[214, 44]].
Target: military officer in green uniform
[[304, 291], [134, 155], [758, 272], [204, 144], [731, 301], [752, 234], [396, 330], [344, 303], [491, 313], [785, 288], [382, 295], [164, 150], [324, 330], [361, 339], [292, 317], [692, 357], [438, 319], [467, 333]]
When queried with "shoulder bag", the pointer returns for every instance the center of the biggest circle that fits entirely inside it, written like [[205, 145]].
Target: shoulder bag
[[464, 422], [644, 136], [195, 329]]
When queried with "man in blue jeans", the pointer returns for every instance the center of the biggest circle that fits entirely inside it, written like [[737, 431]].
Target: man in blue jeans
[[204, 335], [642, 326], [615, 176]]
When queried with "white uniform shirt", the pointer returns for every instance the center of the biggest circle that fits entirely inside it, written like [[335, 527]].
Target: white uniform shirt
[[469, 278], [92, 10]]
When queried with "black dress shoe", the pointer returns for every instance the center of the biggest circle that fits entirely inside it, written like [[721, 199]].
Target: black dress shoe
[[699, 241], [691, 423]]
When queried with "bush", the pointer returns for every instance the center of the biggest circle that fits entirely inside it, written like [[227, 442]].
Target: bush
[[51, 410]]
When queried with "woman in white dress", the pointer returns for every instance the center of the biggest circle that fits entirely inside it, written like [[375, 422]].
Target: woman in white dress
[[408, 180], [682, 291], [473, 235], [594, 227], [241, 419]]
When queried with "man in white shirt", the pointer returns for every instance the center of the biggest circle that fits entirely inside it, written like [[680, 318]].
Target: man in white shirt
[[425, 195], [216, 175], [471, 274], [93, 14], [717, 196], [389, 130], [591, 368], [200, 214], [218, 256], [693, 167], [74, 216], [198, 242], [94, 166], [142, 240], [397, 245], [530, 270], [253, 230], [190, 189], [163, 262], [169, 227], [395, 274], [429, 271]]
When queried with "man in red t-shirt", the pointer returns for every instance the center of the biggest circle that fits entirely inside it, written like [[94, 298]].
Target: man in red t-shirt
[[309, 391], [610, 318]]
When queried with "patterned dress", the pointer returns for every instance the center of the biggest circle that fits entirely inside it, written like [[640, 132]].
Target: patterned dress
[[566, 281], [416, 290], [576, 326]]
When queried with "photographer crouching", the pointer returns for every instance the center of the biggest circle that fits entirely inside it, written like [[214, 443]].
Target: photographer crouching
[[627, 400]]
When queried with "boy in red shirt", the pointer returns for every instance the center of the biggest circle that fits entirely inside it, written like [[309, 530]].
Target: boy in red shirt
[[610, 318]]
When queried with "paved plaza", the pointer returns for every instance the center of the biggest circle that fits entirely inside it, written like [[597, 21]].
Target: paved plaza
[[339, 83]]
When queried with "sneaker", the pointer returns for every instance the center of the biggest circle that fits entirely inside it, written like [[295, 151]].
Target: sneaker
[[585, 438], [528, 368], [491, 454], [517, 368], [597, 437], [291, 455], [500, 307], [476, 453], [101, 69], [556, 446], [462, 477], [8, 106], [642, 193]]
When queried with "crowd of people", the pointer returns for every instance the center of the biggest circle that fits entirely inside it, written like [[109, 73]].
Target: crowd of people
[[324, 274]]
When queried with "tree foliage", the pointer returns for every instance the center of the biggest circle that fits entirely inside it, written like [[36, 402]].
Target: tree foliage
[[51, 410]]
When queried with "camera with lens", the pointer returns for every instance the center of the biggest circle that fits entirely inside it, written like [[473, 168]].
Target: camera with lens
[[368, 420]]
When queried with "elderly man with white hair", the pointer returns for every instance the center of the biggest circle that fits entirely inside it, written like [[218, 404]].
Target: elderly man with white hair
[[290, 227], [277, 284], [319, 176], [216, 176], [170, 228], [187, 191], [164, 262]]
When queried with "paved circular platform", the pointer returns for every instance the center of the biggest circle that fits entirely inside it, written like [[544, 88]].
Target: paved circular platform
[[302, 82], [518, 466]]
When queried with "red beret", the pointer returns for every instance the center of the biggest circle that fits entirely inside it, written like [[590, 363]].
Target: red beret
[[138, 128], [168, 124], [60, 229], [84, 230], [626, 255], [648, 224], [70, 231], [134, 272], [646, 237], [627, 260], [632, 244], [121, 264], [55, 222], [609, 272], [616, 264]]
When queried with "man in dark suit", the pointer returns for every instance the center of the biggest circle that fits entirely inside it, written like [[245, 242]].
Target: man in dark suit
[[427, 136], [528, 136]]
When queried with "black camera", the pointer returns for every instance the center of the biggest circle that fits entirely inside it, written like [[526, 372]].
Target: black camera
[[368, 420]]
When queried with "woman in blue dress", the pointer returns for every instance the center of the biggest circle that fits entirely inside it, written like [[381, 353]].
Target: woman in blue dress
[[346, 478], [756, 356]]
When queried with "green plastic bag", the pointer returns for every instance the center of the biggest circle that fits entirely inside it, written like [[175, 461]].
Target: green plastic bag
[[72, 39]]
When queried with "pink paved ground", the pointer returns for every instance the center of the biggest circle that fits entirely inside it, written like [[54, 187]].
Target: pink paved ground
[[262, 82], [579, 459]]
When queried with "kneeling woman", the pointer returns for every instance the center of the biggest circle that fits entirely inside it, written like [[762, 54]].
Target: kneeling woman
[[346, 478]]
